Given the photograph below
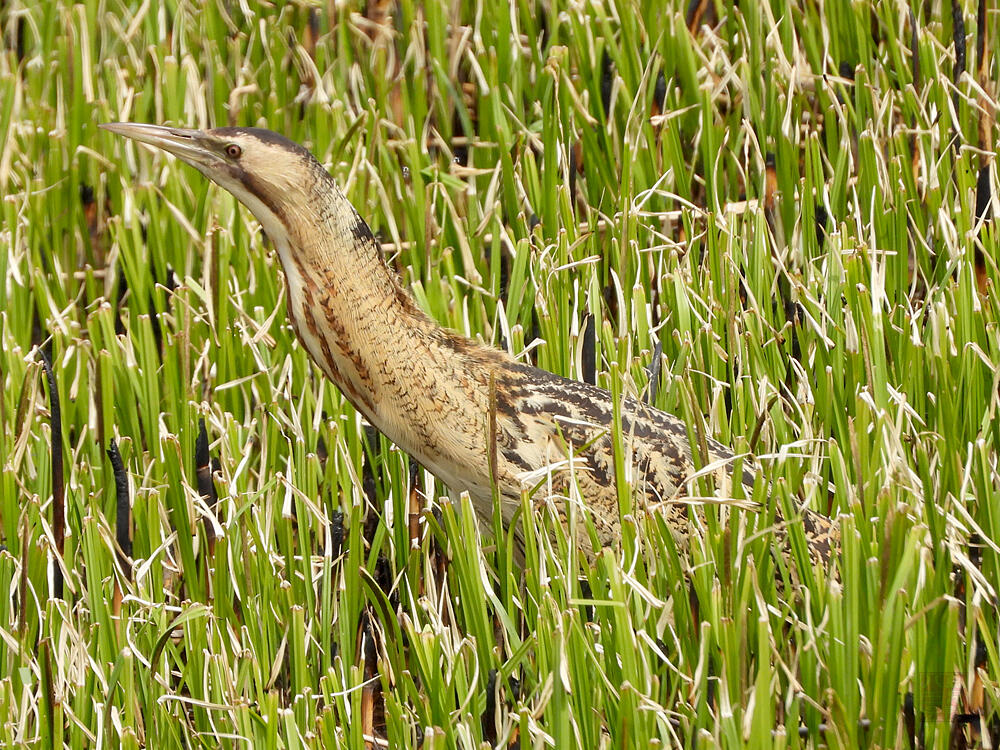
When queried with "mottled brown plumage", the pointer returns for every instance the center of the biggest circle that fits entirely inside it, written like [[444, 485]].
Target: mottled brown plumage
[[434, 393]]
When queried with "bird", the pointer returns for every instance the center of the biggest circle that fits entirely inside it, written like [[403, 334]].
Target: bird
[[476, 418]]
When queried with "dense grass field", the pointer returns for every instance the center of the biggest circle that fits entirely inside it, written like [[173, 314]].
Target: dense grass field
[[772, 222]]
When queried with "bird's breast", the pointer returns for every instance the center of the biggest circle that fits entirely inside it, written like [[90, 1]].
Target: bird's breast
[[325, 336]]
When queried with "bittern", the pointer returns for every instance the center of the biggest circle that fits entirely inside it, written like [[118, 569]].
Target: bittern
[[476, 418]]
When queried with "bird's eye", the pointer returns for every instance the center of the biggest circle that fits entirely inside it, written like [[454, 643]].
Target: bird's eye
[[233, 151]]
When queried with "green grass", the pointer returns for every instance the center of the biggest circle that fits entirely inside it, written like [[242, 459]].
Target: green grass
[[512, 162]]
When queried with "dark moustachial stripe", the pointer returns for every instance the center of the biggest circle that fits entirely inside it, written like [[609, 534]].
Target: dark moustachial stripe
[[255, 186], [249, 180]]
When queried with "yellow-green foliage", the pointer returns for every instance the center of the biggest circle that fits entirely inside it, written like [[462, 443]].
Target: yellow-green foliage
[[532, 168]]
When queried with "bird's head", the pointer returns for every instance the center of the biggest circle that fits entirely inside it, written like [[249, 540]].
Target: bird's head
[[269, 174]]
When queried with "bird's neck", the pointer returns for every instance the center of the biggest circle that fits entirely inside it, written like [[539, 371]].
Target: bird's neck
[[349, 309], [427, 389]]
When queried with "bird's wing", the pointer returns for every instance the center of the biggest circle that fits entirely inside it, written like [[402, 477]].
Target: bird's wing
[[549, 426]]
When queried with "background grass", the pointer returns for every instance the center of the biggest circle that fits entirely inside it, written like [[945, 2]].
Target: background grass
[[763, 219]]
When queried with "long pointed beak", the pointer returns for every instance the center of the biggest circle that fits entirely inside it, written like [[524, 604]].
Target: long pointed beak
[[187, 145]]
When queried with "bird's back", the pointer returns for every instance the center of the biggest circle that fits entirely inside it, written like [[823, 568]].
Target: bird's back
[[549, 428]]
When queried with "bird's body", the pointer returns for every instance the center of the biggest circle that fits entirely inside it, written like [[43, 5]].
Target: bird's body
[[472, 415]]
